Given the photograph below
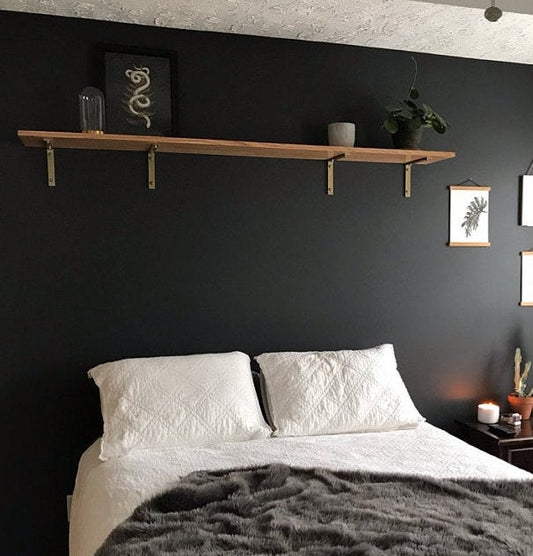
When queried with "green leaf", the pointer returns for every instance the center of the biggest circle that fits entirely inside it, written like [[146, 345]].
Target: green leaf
[[474, 210], [391, 125], [439, 127], [406, 114], [393, 107], [441, 121]]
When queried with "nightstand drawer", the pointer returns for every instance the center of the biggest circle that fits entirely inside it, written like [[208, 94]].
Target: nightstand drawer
[[517, 450], [521, 457]]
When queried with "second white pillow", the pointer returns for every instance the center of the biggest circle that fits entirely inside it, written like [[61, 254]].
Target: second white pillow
[[330, 392]]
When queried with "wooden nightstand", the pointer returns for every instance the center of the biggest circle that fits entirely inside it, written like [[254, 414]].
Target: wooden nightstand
[[517, 450]]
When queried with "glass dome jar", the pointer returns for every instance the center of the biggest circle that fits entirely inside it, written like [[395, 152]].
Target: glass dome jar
[[92, 110]]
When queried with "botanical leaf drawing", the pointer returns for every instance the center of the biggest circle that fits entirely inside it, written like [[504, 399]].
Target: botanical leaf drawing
[[473, 212]]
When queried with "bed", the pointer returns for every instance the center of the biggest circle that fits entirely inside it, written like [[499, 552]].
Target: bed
[[317, 430]]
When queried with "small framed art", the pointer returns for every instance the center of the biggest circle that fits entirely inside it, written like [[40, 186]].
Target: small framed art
[[140, 90], [527, 201], [526, 295], [469, 216]]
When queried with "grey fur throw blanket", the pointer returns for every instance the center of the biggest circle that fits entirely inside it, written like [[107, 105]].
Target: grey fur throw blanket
[[276, 509]]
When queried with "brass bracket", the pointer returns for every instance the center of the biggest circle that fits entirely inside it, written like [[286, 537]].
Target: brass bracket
[[50, 163], [331, 180], [407, 176], [151, 166]]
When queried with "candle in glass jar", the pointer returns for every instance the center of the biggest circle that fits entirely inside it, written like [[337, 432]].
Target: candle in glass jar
[[488, 413]]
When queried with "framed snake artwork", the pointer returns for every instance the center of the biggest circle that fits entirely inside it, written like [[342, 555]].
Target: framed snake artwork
[[140, 88]]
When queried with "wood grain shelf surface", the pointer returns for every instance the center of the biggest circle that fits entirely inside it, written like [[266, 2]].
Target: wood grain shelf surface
[[181, 145]]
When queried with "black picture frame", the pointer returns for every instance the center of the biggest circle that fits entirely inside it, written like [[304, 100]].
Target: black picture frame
[[140, 89]]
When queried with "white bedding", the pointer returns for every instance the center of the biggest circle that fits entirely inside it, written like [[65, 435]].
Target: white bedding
[[107, 492]]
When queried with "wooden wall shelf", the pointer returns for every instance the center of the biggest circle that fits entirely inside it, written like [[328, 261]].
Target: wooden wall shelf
[[179, 145]]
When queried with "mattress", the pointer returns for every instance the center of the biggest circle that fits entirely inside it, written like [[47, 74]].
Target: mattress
[[106, 493]]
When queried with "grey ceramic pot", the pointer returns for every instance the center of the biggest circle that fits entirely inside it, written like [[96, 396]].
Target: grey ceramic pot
[[341, 134]]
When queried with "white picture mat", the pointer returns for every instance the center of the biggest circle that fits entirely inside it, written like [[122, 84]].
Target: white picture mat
[[527, 201], [527, 277], [460, 198]]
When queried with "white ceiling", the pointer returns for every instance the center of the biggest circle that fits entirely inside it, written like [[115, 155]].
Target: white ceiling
[[517, 6], [448, 27]]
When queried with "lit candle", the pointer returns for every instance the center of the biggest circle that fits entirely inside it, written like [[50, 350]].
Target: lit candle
[[488, 413]]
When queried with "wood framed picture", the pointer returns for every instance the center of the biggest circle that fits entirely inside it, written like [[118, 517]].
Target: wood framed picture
[[469, 216], [140, 88], [527, 201], [526, 290]]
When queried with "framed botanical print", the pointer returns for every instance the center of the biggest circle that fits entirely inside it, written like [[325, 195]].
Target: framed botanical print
[[469, 216], [140, 90], [526, 290], [527, 201]]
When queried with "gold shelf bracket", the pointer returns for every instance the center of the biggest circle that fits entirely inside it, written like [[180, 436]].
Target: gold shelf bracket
[[331, 179], [407, 176], [50, 163], [151, 166]]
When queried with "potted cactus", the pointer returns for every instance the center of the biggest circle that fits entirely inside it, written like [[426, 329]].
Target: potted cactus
[[521, 400]]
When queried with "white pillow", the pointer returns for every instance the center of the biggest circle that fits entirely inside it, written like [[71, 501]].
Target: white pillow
[[161, 402], [329, 392]]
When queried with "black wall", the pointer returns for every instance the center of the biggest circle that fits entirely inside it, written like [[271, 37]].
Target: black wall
[[242, 254]]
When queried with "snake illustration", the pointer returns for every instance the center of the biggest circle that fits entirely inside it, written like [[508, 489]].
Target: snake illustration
[[140, 101]]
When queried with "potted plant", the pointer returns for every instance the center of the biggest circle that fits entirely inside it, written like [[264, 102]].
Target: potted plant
[[406, 119], [521, 400]]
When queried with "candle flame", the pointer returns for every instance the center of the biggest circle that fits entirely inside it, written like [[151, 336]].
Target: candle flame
[[488, 404]]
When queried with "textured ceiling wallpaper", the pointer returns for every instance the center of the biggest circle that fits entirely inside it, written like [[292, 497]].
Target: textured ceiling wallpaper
[[517, 6], [397, 24]]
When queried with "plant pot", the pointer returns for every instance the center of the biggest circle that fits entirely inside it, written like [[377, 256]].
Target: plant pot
[[407, 137], [521, 405], [341, 134]]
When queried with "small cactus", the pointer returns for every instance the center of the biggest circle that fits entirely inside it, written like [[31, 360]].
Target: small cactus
[[520, 376]]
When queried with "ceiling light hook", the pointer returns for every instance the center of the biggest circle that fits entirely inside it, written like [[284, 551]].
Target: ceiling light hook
[[493, 13]]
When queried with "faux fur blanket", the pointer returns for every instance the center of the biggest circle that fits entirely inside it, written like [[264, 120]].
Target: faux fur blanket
[[277, 509]]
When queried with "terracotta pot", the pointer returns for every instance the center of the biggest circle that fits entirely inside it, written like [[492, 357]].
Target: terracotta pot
[[521, 405]]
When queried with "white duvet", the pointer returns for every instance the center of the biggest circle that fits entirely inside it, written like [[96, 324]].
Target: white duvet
[[107, 492]]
